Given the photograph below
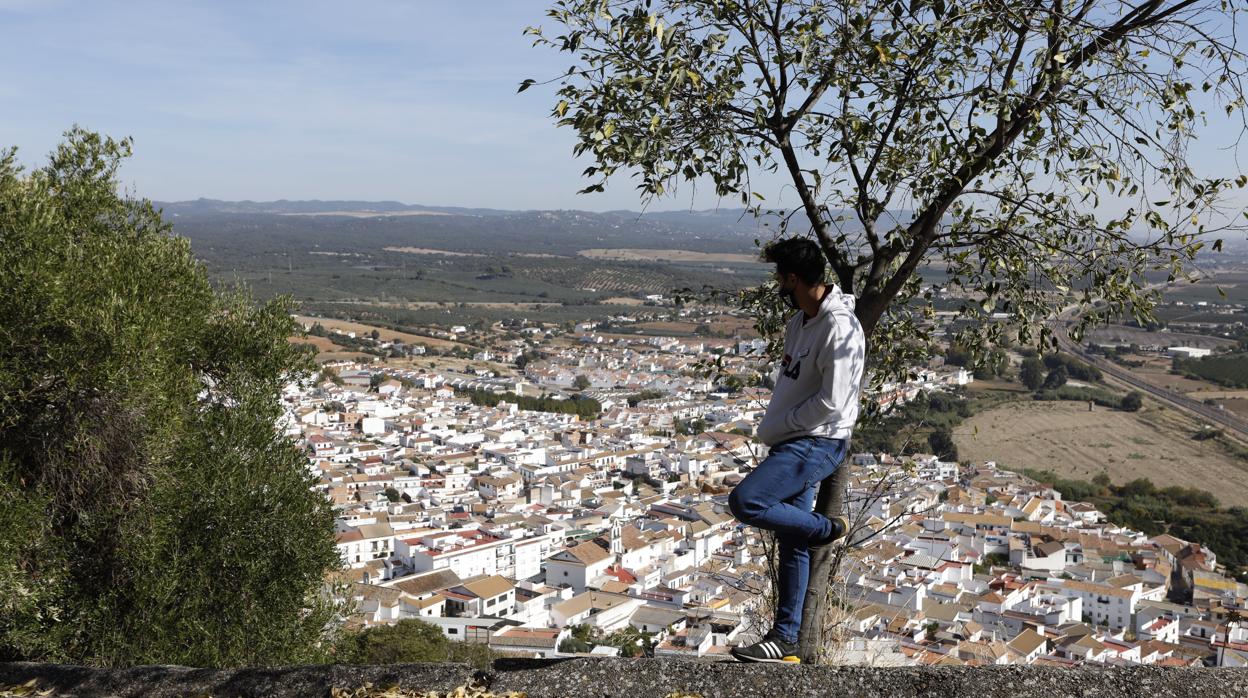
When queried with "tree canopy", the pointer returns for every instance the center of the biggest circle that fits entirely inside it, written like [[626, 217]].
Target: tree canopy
[[149, 510], [1036, 152]]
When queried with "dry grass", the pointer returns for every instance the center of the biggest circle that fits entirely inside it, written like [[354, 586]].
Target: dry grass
[[1237, 405], [29, 689], [1065, 437]]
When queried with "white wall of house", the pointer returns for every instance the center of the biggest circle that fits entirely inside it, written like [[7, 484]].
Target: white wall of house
[[573, 574]]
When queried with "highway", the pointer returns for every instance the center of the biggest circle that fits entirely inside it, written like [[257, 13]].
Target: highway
[[1208, 413]]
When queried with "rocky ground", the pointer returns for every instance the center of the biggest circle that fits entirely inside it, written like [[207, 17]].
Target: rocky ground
[[633, 678]]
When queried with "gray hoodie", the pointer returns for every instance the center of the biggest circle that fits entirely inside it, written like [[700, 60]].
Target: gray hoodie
[[820, 378]]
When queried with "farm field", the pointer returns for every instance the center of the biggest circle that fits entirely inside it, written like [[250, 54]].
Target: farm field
[[731, 325], [1156, 370], [425, 250], [670, 327], [980, 385], [327, 351], [1065, 437], [385, 334], [1238, 405], [639, 255]]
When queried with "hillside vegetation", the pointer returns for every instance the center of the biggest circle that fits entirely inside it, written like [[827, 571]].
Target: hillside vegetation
[[1230, 370], [139, 466]]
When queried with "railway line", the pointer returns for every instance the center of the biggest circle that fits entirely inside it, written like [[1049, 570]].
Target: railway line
[[1212, 415]]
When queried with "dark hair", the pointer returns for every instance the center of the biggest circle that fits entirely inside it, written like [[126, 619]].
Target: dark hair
[[799, 256]]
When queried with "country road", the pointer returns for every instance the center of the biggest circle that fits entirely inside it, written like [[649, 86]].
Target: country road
[[1212, 415]]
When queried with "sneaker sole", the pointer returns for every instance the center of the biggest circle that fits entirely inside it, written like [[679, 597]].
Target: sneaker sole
[[790, 659]]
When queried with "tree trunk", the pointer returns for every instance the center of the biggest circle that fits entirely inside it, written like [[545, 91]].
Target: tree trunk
[[830, 503]]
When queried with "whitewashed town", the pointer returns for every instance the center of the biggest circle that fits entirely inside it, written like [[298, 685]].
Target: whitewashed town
[[545, 534]]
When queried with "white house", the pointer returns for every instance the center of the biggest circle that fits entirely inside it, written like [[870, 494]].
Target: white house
[[359, 545], [576, 567]]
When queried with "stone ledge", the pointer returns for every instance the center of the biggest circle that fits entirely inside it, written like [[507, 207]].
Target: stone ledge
[[642, 678]]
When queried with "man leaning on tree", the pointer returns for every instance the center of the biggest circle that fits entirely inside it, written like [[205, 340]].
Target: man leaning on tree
[[807, 426]]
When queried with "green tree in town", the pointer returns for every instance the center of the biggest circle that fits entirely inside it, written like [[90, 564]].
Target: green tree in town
[[1015, 146], [149, 511], [405, 642], [1031, 373], [942, 445], [580, 640], [581, 382]]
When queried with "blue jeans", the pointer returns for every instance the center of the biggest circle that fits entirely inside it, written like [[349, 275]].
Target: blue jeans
[[780, 496]]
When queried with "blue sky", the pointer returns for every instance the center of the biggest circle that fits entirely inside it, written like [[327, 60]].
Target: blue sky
[[411, 101], [261, 100]]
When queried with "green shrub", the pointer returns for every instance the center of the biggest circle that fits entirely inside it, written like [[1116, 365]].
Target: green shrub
[[1073, 367], [1132, 401], [1098, 396], [405, 642]]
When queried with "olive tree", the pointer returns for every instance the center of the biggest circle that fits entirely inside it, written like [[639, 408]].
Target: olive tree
[[150, 509], [1035, 153]]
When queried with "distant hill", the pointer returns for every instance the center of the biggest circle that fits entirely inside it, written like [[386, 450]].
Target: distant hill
[[202, 207], [734, 218]]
